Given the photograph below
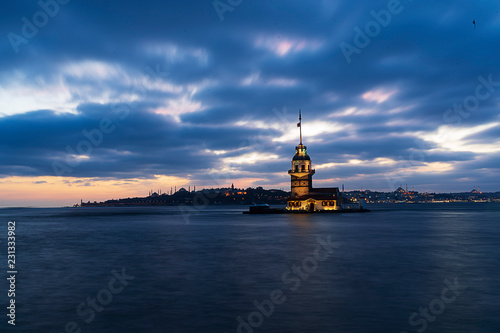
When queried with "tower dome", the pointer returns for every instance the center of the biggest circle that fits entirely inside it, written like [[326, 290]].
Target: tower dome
[[301, 153]]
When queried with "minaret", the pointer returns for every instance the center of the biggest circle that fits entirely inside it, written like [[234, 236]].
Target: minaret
[[301, 172]]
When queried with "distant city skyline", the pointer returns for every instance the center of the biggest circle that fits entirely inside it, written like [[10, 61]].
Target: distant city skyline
[[103, 100]]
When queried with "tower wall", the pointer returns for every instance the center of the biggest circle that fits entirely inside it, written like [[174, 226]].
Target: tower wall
[[301, 185], [301, 173]]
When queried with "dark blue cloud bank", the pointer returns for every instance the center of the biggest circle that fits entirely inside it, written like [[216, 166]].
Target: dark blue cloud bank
[[391, 92]]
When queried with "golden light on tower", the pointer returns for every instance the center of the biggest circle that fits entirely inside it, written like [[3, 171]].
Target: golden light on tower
[[303, 195], [301, 171]]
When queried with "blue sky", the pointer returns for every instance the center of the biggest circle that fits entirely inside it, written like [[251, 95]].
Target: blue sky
[[114, 98]]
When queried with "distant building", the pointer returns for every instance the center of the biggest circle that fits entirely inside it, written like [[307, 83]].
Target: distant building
[[401, 194], [474, 191], [304, 196]]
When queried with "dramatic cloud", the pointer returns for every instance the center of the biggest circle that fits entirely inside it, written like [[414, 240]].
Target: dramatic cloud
[[195, 93]]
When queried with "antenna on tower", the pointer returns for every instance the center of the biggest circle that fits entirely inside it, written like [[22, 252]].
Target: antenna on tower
[[300, 125]]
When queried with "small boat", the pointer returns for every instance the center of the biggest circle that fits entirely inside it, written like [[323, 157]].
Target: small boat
[[263, 209]]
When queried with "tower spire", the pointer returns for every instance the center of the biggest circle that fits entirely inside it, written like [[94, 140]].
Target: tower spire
[[300, 125]]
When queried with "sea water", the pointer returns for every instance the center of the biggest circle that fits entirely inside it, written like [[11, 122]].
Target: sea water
[[399, 268]]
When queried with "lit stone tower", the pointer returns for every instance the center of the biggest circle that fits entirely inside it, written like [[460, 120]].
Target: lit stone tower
[[301, 172]]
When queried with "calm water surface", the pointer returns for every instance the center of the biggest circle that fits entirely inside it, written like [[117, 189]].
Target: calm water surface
[[399, 268]]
